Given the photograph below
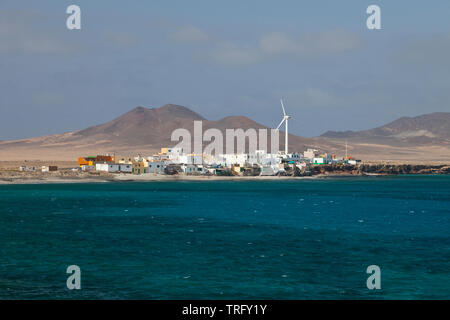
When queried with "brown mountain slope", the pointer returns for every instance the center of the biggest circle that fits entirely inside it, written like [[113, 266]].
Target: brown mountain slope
[[137, 122], [425, 138], [433, 128], [141, 130]]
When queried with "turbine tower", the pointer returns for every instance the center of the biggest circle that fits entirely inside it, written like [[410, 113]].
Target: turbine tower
[[285, 120]]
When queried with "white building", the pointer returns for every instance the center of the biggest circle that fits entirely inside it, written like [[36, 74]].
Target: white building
[[269, 170], [310, 153], [49, 168], [259, 157], [156, 167], [87, 168], [188, 159], [106, 167], [209, 159], [268, 159], [126, 168], [294, 157], [26, 168], [174, 153], [113, 168], [194, 169], [319, 160], [228, 160]]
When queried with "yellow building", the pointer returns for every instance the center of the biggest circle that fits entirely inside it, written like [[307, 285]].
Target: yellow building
[[140, 167], [163, 151]]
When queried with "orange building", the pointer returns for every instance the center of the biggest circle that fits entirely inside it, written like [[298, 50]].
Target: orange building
[[106, 158], [92, 160], [86, 161]]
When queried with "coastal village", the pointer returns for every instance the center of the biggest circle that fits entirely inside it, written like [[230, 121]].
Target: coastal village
[[171, 161], [177, 162], [174, 163]]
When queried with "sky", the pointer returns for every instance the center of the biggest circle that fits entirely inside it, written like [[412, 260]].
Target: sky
[[222, 58]]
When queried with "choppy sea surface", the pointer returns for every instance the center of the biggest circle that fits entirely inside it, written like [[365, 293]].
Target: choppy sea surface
[[289, 239]]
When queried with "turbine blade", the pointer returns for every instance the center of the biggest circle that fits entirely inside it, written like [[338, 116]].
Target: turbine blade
[[280, 124], [282, 106]]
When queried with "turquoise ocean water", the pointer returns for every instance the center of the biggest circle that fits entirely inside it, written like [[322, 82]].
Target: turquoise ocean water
[[290, 239]]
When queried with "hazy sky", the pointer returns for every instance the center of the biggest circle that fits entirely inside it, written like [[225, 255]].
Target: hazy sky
[[221, 58]]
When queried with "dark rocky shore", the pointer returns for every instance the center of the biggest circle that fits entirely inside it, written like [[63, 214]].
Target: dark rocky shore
[[379, 169]]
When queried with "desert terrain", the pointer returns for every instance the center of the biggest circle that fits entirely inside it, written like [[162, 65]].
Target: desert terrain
[[419, 140]]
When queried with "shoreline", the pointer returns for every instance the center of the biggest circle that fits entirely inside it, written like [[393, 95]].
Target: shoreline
[[66, 175], [181, 178], [144, 178]]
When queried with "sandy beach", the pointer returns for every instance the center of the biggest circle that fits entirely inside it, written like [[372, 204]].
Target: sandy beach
[[43, 178], [67, 175]]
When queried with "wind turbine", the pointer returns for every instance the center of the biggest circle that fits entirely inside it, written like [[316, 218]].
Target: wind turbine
[[285, 120]]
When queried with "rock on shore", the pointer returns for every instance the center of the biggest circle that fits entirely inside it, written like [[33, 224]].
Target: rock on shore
[[381, 169]]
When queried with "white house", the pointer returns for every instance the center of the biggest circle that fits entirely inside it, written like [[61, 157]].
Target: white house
[[25, 168], [126, 168], [187, 159], [174, 153], [271, 159], [269, 170], [112, 168], [319, 160], [194, 169], [156, 167], [209, 159], [106, 167], [87, 168], [49, 168], [227, 160], [310, 153], [294, 157], [257, 158]]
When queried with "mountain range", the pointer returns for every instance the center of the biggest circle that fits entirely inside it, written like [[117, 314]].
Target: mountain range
[[433, 128], [145, 130]]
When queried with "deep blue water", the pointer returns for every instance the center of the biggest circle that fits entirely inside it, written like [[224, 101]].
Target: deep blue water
[[302, 239]]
